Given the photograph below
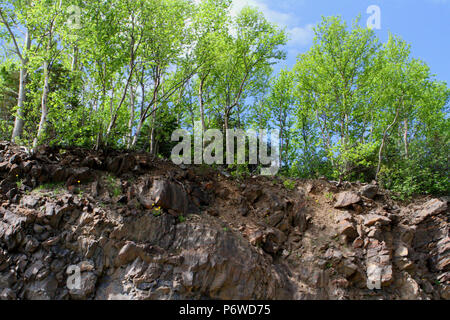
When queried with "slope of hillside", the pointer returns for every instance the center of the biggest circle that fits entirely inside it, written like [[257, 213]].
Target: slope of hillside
[[143, 228]]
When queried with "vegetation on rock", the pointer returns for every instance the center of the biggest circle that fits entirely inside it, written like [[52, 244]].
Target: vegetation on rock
[[125, 74]]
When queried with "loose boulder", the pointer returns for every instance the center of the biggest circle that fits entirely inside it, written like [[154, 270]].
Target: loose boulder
[[346, 199]]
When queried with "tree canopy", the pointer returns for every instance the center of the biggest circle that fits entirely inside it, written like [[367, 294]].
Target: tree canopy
[[126, 73]]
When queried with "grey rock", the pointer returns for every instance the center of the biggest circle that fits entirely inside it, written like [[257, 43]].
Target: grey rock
[[30, 201], [167, 195], [370, 191], [87, 286]]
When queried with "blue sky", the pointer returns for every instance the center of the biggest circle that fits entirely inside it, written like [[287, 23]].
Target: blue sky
[[425, 24]]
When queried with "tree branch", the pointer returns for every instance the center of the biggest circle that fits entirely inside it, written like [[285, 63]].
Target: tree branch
[[12, 35]]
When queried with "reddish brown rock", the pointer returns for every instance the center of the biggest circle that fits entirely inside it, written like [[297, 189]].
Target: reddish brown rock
[[373, 219], [347, 229], [346, 199], [431, 208]]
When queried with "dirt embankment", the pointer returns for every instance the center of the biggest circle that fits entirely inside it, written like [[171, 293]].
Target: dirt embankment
[[141, 228]]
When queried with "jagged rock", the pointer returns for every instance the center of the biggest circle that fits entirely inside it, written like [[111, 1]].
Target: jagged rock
[[200, 196], [347, 229], [275, 219], [283, 247], [401, 251], [273, 240], [300, 220], [120, 164], [410, 288], [27, 165], [370, 191], [44, 289], [334, 255], [87, 286], [7, 279], [14, 171], [95, 189], [86, 265], [252, 194], [445, 292], [4, 166], [11, 229], [443, 245], [348, 268], [127, 254], [12, 193], [169, 196], [59, 173], [373, 219], [256, 237], [379, 276], [38, 229], [7, 294], [55, 213], [6, 186], [30, 201], [346, 199], [431, 208], [445, 277], [344, 216], [31, 244], [358, 243], [443, 264], [78, 176]]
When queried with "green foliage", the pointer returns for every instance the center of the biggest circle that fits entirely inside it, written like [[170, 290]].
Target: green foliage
[[156, 211], [114, 185], [239, 171], [289, 184], [351, 108], [19, 184], [54, 187], [412, 177], [368, 111], [356, 163], [329, 196]]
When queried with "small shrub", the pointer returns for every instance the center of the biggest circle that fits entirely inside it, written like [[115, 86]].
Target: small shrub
[[289, 184], [329, 196]]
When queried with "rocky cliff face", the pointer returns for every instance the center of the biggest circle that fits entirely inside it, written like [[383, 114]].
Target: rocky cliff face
[[132, 227]]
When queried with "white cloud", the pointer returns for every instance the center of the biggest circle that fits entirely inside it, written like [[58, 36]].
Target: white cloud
[[301, 36], [280, 18]]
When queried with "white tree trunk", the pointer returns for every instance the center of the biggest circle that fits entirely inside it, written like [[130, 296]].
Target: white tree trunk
[[19, 121], [44, 106]]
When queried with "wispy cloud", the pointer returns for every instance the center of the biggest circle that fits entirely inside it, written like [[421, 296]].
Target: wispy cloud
[[274, 16], [300, 35]]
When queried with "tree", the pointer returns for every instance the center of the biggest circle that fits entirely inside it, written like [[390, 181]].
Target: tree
[[12, 16]]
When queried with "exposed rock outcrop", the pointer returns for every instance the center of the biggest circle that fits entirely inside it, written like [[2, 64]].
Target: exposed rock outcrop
[[131, 227]]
